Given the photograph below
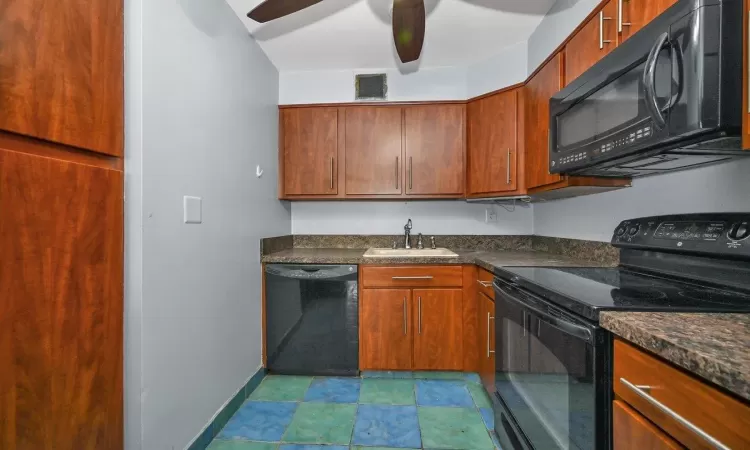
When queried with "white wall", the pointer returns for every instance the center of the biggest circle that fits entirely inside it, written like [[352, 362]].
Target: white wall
[[428, 217], [506, 68], [209, 115]]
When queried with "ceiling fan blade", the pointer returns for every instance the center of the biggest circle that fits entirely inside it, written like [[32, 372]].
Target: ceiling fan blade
[[408, 28], [274, 9]]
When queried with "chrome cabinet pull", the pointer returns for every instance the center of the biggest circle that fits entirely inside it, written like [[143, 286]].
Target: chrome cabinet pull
[[489, 318], [601, 30], [397, 172], [411, 186], [420, 314], [331, 173], [405, 330], [641, 392], [508, 174], [425, 277], [487, 284], [620, 23]]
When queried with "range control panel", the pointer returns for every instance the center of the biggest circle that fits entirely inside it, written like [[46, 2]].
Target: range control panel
[[709, 234]]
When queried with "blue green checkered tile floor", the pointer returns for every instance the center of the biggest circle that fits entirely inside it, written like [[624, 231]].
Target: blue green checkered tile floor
[[381, 410]]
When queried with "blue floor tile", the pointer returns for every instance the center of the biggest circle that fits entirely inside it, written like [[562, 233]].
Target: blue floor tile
[[472, 378], [387, 426], [387, 374], [443, 393], [312, 447], [488, 416], [260, 421], [333, 390]]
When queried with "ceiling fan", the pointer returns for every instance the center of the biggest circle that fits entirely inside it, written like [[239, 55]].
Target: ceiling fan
[[408, 21]]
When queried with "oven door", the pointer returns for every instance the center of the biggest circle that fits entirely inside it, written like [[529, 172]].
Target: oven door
[[546, 380]]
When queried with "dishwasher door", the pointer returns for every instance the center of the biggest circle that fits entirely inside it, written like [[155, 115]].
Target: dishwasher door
[[312, 319]]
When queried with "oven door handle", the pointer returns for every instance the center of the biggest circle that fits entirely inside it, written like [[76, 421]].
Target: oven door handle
[[570, 328], [649, 81]]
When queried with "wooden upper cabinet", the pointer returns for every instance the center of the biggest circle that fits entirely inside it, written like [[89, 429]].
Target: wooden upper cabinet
[[61, 72], [492, 144], [310, 145], [637, 13], [374, 159], [632, 431], [435, 140], [746, 80], [592, 42], [538, 91], [385, 329], [438, 329]]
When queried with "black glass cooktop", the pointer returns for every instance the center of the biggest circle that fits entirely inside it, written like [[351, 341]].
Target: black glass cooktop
[[587, 291]]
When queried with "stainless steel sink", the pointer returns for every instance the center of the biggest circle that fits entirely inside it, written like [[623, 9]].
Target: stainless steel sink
[[409, 253]]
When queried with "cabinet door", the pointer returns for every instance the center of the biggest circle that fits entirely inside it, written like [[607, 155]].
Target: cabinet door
[[61, 72], [385, 329], [438, 331], [434, 137], [491, 153], [592, 42], [637, 13], [61, 273], [632, 431], [538, 91], [310, 150], [374, 160], [487, 341]]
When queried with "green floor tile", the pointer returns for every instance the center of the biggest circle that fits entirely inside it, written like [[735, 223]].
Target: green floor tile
[[387, 392], [241, 445], [359, 447], [322, 423], [439, 375], [278, 388], [453, 428], [481, 399]]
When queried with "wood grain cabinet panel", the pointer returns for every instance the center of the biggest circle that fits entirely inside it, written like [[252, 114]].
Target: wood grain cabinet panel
[[746, 78], [592, 42], [636, 14], [632, 431], [492, 144], [310, 148], [538, 91], [374, 159], [385, 329], [61, 278], [61, 72], [435, 141], [438, 330]]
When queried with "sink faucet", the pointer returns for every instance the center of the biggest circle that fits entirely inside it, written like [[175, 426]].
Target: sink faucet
[[407, 234]]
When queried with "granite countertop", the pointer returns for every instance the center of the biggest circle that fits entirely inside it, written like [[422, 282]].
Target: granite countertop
[[486, 259], [713, 346]]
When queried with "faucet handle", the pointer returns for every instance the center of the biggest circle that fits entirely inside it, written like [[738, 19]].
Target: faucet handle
[[432, 242], [408, 225], [420, 245], [395, 245]]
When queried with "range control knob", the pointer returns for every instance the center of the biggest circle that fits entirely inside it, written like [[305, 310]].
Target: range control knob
[[620, 231], [634, 230], [739, 231]]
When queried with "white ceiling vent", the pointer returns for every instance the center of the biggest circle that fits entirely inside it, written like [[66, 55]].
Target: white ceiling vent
[[370, 86]]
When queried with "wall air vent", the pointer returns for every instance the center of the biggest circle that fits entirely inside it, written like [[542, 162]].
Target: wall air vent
[[370, 87]]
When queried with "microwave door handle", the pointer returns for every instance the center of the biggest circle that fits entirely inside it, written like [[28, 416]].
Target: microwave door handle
[[559, 323], [649, 81]]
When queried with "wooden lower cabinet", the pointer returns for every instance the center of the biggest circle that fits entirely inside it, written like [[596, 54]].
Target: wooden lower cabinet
[[486, 341], [385, 341], [632, 431], [438, 330], [61, 294]]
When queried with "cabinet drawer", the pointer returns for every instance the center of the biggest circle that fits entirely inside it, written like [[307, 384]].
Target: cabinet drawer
[[484, 283], [412, 276], [642, 380], [631, 431]]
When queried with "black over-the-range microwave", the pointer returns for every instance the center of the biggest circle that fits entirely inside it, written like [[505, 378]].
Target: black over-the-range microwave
[[668, 98]]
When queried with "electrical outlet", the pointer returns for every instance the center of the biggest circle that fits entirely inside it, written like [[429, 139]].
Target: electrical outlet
[[490, 215]]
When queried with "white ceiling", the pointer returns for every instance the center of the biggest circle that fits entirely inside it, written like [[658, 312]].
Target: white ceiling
[[356, 34]]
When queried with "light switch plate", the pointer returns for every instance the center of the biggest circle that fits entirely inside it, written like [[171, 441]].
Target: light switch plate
[[490, 215], [192, 207]]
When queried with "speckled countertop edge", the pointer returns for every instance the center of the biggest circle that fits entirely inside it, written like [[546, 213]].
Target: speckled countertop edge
[[713, 346]]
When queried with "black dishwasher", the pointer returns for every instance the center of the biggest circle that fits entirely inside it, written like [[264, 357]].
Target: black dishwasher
[[312, 319]]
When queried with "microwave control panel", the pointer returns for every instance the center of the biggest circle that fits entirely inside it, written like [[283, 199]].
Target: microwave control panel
[[632, 138]]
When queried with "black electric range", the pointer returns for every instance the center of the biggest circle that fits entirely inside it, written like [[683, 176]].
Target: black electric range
[[553, 360]]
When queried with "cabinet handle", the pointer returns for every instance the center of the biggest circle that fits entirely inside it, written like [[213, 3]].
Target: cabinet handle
[[641, 391], [601, 30], [620, 23], [487, 284], [420, 314], [397, 172], [411, 186], [524, 323], [489, 318], [405, 330], [508, 174], [425, 277], [331, 173]]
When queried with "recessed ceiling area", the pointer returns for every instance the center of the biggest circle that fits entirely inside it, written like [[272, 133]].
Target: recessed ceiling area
[[356, 34]]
